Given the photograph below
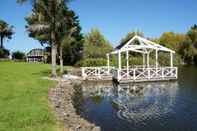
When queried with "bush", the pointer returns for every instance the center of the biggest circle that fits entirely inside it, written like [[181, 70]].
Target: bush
[[18, 55], [4, 53], [164, 60], [92, 62], [195, 60], [1, 53]]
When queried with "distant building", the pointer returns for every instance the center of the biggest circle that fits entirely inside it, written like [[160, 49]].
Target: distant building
[[36, 55]]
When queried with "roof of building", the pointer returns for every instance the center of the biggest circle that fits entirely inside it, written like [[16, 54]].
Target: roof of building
[[36, 52]]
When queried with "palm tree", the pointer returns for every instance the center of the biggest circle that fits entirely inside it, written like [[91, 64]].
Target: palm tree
[[6, 31], [49, 19]]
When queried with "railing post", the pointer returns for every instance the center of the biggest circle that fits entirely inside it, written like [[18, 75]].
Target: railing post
[[127, 73], [95, 72], [171, 71], [99, 72], [162, 72], [83, 73], [134, 74], [148, 73], [176, 71], [118, 76], [108, 63]]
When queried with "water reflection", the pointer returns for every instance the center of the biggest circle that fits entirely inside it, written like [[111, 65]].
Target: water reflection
[[157, 106], [134, 102]]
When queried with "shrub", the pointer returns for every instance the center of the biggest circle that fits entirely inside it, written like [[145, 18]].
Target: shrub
[[18, 55], [4, 53], [1, 53], [92, 62], [164, 60]]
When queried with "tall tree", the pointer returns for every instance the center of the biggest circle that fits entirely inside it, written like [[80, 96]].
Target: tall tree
[[96, 45], [129, 36], [46, 21], [187, 52], [192, 33], [172, 40], [69, 33], [73, 41], [6, 31]]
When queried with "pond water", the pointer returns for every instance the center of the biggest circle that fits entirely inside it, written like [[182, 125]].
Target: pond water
[[162, 106]]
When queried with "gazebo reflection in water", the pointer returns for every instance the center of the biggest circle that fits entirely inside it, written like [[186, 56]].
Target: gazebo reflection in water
[[136, 102]]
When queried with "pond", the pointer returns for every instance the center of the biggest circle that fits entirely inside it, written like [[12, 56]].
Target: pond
[[150, 106]]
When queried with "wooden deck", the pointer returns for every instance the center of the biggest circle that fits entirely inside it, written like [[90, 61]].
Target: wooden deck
[[137, 74]]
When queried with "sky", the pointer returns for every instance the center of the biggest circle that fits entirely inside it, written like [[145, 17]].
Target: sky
[[114, 18]]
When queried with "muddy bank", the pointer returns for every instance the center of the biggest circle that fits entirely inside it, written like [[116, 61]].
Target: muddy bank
[[62, 102]]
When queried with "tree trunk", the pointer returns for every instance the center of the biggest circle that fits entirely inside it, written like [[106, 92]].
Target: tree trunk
[[53, 55], [1, 42], [61, 61]]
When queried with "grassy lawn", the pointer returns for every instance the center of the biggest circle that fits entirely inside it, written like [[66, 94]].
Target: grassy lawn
[[24, 102]]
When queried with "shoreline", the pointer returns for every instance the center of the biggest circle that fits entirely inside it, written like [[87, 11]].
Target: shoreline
[[60, 98]]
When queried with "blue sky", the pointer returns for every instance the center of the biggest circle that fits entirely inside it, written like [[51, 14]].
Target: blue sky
[[113, 18]]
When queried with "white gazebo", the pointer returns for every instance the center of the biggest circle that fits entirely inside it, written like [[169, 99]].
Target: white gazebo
[[146, 71], [138, 73]]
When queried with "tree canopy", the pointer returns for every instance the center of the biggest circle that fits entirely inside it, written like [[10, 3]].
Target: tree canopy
[[51, 23], [6, 31], [72, 42], [96, 45], [192, 33], [129, 36], [184, 44], [172, 40]]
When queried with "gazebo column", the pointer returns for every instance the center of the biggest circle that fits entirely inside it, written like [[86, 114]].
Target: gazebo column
[[119, 60], [127, 58], [108, 63], [147, 60], [147, 64], [156, 57], [119, 65], [143, 60], [171, 59], [171, 64]]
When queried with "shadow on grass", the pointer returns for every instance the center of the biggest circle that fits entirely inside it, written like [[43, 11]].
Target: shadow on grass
[[48, 73], [42, 73]]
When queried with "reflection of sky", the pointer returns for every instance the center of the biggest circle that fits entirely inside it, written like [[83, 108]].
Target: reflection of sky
[[140, 101]]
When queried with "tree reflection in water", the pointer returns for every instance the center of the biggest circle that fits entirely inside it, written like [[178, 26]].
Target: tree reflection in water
[[78, 98], [135, 102]]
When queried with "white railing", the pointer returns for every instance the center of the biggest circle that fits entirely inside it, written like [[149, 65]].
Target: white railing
[[97, 72], [132, 74], [137, 74]]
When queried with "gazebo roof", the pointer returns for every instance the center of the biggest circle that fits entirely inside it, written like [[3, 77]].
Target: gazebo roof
[[140, 45]]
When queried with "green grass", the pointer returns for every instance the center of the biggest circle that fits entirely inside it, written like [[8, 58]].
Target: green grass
[[24, 102]]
